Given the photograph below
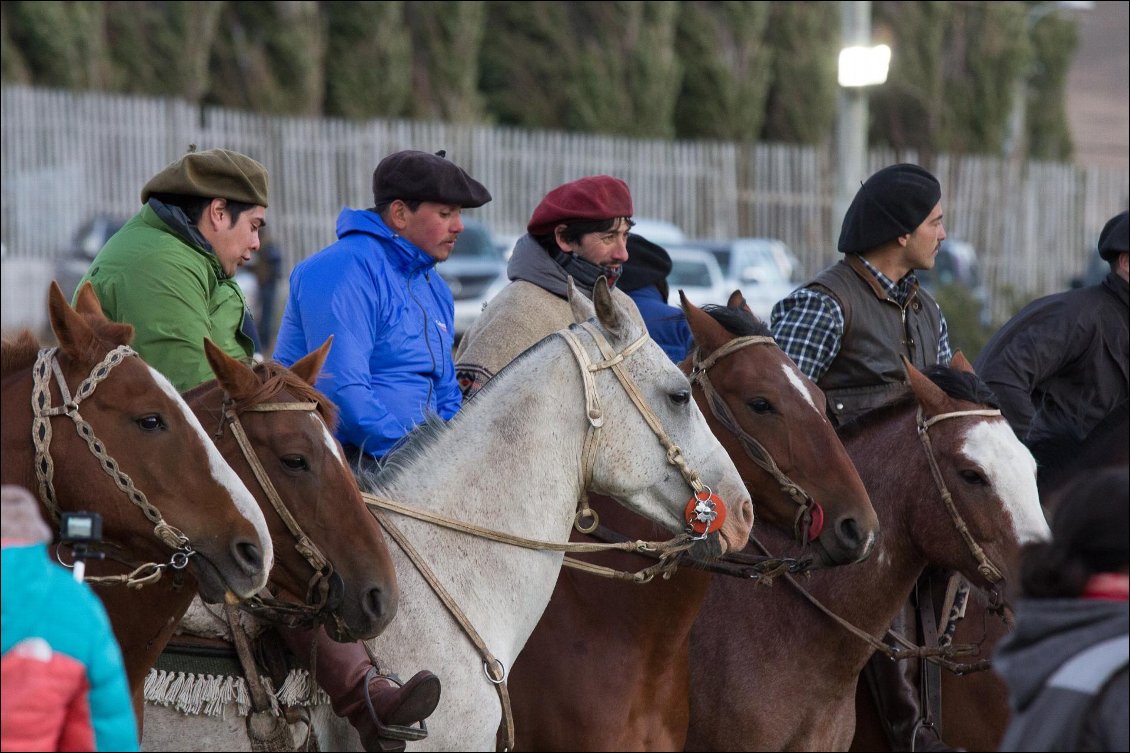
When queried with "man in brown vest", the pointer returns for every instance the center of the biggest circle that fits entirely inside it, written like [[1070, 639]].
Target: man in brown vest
[[847, 329]]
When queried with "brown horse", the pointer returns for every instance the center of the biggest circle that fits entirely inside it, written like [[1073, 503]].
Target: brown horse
[[349, 584], [136, 454], [789, 682], [606, 667], [974, 707]]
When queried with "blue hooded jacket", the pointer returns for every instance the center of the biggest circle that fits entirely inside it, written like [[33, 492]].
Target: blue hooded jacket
[[392, 318]]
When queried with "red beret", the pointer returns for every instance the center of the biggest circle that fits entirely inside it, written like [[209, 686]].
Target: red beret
[[597, 197]]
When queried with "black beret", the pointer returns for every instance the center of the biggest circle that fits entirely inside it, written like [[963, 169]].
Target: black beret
[[1089, 523], [418, 176], [648, 264], [1113, 239], [892, 202], [212, 174]]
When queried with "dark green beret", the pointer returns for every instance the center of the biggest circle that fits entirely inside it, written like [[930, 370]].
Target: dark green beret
[[418, 176], [212, 174], [1113, 240]]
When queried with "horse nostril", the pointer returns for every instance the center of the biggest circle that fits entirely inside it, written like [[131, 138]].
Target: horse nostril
[[248, 556], [375, 605], [848, 533]]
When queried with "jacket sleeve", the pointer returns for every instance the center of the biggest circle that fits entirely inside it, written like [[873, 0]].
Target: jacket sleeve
[[111, 710], [347, 303], [1035, 345]]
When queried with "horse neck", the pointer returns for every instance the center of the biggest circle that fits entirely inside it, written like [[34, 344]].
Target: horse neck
[[144, 621], [508, 462]]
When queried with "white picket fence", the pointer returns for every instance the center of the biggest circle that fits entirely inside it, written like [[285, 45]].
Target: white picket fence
[[66, 156]]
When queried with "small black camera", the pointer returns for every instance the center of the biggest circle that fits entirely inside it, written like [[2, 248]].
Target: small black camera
[[81, 528]]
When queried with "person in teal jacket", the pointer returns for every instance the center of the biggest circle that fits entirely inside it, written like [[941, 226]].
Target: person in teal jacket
[[64, 683], [170, 270]]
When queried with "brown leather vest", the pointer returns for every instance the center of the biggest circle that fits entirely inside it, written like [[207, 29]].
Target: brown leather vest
[[868, 370]]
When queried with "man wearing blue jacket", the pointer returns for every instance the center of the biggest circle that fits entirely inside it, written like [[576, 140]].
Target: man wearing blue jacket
[[376, 290]]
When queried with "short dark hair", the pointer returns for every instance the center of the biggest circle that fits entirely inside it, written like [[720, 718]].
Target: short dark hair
[[412, 204], [194, 206], [575, 230]]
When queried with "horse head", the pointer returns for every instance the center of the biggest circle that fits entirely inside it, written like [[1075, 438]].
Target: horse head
[[979, 500], [274, 429], [660, 410], [770, 418], [105, 432]]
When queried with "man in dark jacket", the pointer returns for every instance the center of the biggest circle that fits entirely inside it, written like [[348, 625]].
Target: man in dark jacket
[[1061, 364], [847, 329]]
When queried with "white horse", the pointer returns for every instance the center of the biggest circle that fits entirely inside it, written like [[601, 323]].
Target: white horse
[[512, 461]]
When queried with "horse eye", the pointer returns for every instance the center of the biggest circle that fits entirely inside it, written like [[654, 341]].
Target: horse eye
[[152, 422], [682, 397], [295, 463], [973, 477], [759, 405]]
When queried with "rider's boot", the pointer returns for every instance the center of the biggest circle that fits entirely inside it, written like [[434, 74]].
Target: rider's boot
[[374, 704], [894, 686]]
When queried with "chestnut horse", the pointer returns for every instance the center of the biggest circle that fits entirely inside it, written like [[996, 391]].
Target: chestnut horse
[[136, 454], [953, 487], [974, 707], [606, 668], [194, 519]]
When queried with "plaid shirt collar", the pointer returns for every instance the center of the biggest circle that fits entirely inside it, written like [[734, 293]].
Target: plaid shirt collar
[[896, 291]]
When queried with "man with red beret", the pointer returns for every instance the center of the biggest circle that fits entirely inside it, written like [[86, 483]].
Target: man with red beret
[[579, 230]]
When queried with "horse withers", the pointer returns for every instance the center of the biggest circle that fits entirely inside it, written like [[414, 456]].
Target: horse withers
[[953, 488], [607, 667], [511, 461]]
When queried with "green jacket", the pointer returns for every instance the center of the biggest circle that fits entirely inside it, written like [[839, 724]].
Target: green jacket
[[174, 293]]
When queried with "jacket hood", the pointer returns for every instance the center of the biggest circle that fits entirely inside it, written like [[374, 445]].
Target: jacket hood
[[1048, 632], [401, 252]]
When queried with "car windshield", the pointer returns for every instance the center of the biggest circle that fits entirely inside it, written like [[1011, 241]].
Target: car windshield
[[474, 242], [689, 273]]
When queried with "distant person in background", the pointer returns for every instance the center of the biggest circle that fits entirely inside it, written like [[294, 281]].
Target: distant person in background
[[268, 271], [64, 685], [170, 270], [1066, 662], [644, 278], [1063, 363]]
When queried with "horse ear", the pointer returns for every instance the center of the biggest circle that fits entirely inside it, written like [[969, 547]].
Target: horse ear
[[75, 336], [708, 334], [961, 363], [309, 366], [608, 312], [237, 379], [738, 301], [581, 307], [86, 301], [930, 396]]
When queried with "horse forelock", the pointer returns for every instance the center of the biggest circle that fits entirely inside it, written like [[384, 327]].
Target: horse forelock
[[273, 373], [962, 385], [737, 322]]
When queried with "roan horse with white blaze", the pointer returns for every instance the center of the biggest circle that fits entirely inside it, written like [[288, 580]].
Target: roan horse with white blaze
[[137, 456], [513, 461], [953, 487]]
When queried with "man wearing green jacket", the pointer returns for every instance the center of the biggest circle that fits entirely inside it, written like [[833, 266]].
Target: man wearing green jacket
[[170, 270]]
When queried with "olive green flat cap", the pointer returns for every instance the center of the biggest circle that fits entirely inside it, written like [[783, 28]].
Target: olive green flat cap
[[212, 174]]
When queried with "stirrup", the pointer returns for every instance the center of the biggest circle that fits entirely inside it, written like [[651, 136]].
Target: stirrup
[[408, 733]]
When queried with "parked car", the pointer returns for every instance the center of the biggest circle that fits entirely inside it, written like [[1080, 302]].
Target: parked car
[[957, 264], [660, 232], [474, 266], [762, 268], [696, 272]]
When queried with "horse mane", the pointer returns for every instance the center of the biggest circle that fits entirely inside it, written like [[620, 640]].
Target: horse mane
[[737, 322], [19, 354], [960, 385], [274, 377]]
